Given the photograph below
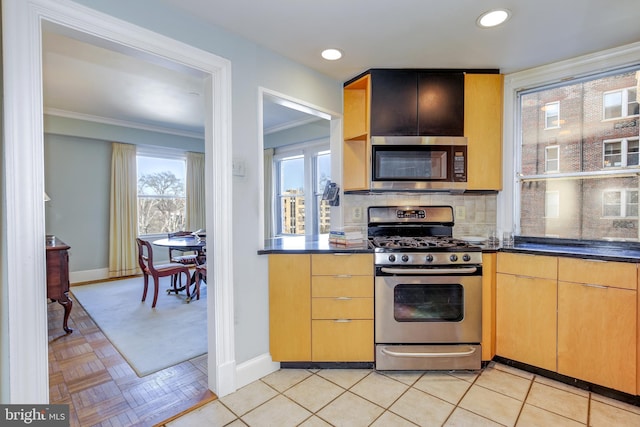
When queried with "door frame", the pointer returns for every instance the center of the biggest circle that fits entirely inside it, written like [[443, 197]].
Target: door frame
[[24, 356]]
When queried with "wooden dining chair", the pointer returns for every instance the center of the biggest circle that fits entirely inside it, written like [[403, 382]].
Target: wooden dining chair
[[187, 257], [201, 272], [145, 260]]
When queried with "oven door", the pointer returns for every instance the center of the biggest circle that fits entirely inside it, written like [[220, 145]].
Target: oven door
[[428, 309]]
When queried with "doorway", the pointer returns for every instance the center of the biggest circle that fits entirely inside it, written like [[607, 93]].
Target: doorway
[[25, 361]]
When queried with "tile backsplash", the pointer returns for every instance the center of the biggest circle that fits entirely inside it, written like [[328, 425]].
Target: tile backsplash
[[474, 215]]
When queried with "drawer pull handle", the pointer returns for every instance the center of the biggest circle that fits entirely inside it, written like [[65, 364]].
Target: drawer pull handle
[[591, 285], [341, 254], [343, 276], [342, 321], [343, 298]]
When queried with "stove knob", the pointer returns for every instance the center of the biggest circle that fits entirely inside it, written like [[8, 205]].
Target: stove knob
[[429, 258], [453, 258], [405, 258], [392, 258], [466, 257]]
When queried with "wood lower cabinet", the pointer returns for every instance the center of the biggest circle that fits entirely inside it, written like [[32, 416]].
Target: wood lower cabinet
[[526, 320], [526, 304], [342, 308], [321, 307], [57, 254], [489, 305], [290, 307], [597, 322]]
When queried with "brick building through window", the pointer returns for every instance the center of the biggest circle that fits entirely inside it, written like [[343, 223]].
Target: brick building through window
[[579, 159]]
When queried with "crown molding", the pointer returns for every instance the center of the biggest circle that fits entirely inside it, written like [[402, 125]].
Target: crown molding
[[122, 123]]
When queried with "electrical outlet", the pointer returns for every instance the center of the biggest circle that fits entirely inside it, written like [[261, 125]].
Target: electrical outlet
[[461, 212], [356, 213]]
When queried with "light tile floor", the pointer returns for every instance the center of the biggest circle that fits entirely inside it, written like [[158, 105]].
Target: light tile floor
[[498, 395]]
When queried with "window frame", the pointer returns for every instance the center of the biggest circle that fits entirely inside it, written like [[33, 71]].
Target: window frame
[[624, 152], [624, 103], [546, 158], [607, 61], [547, 117], [309, 151], [160, 153], [625, 195]]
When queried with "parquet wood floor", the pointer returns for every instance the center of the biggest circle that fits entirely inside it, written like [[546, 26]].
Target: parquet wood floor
[[88, 373]]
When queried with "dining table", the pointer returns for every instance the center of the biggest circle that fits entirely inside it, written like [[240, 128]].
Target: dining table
[[196, 243]]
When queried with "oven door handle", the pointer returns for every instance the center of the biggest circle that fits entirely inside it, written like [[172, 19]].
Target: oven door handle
[[426, 272], [469, 351]]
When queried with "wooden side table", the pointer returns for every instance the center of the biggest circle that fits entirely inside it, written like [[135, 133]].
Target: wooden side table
[[58, 276]]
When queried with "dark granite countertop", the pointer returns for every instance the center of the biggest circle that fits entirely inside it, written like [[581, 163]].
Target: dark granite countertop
[[309, 245], [600, 250]]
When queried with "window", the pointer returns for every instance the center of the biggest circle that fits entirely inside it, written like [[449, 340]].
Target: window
[[552, 115], [621, 103], [552, 204], [583, 200], [161, 191], [620, 203], [301, 174], [552, 159], [620, 153]]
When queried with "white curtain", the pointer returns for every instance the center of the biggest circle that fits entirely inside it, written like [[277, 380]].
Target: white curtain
[[123, 220], [196, 213], [268, 193]]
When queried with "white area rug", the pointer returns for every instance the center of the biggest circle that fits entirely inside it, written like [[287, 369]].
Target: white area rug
[[150, 339]]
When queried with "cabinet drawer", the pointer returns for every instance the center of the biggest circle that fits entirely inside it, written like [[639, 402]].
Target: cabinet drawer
[[342, 341], [341, 263], [342, 308], [342, 286], [594, 272], [544, 267]]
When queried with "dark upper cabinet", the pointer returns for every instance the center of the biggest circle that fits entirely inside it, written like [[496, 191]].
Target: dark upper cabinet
[[394, 102], [441, 104], [417, 102]]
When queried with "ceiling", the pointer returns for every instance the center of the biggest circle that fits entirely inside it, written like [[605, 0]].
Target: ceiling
[[372, 34]]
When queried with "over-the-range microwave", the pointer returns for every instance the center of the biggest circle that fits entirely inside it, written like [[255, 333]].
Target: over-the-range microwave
[[414, 163]]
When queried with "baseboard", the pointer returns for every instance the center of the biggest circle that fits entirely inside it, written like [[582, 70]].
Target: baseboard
[[254, 369], [88, 275]]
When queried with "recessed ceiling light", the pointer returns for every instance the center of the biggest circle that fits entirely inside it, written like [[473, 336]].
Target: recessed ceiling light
[[493, 18], [331, 54]]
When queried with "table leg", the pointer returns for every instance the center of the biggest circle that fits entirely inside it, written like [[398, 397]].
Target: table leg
[[67, 303]]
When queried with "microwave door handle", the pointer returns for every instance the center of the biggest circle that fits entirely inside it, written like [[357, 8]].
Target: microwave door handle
[[426, 272]]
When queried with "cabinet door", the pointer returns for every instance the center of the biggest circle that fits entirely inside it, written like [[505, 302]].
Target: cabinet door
[[343, 341], [394, 102], [342, 264], [290, 307], [597, 335], [440, 104], [488, 305], [526, 321], [483, 129]]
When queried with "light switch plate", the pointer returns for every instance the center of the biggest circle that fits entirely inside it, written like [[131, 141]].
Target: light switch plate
[[238, 167]]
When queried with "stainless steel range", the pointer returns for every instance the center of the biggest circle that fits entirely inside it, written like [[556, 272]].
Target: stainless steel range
[[428, 290]]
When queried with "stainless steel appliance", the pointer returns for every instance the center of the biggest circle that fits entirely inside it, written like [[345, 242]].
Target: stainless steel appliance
[[418, 163], [428, 290]]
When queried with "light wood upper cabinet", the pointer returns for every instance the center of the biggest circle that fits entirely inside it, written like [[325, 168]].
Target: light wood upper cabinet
[[483, 129], [356, 154], [483, 99], [290, 307]]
